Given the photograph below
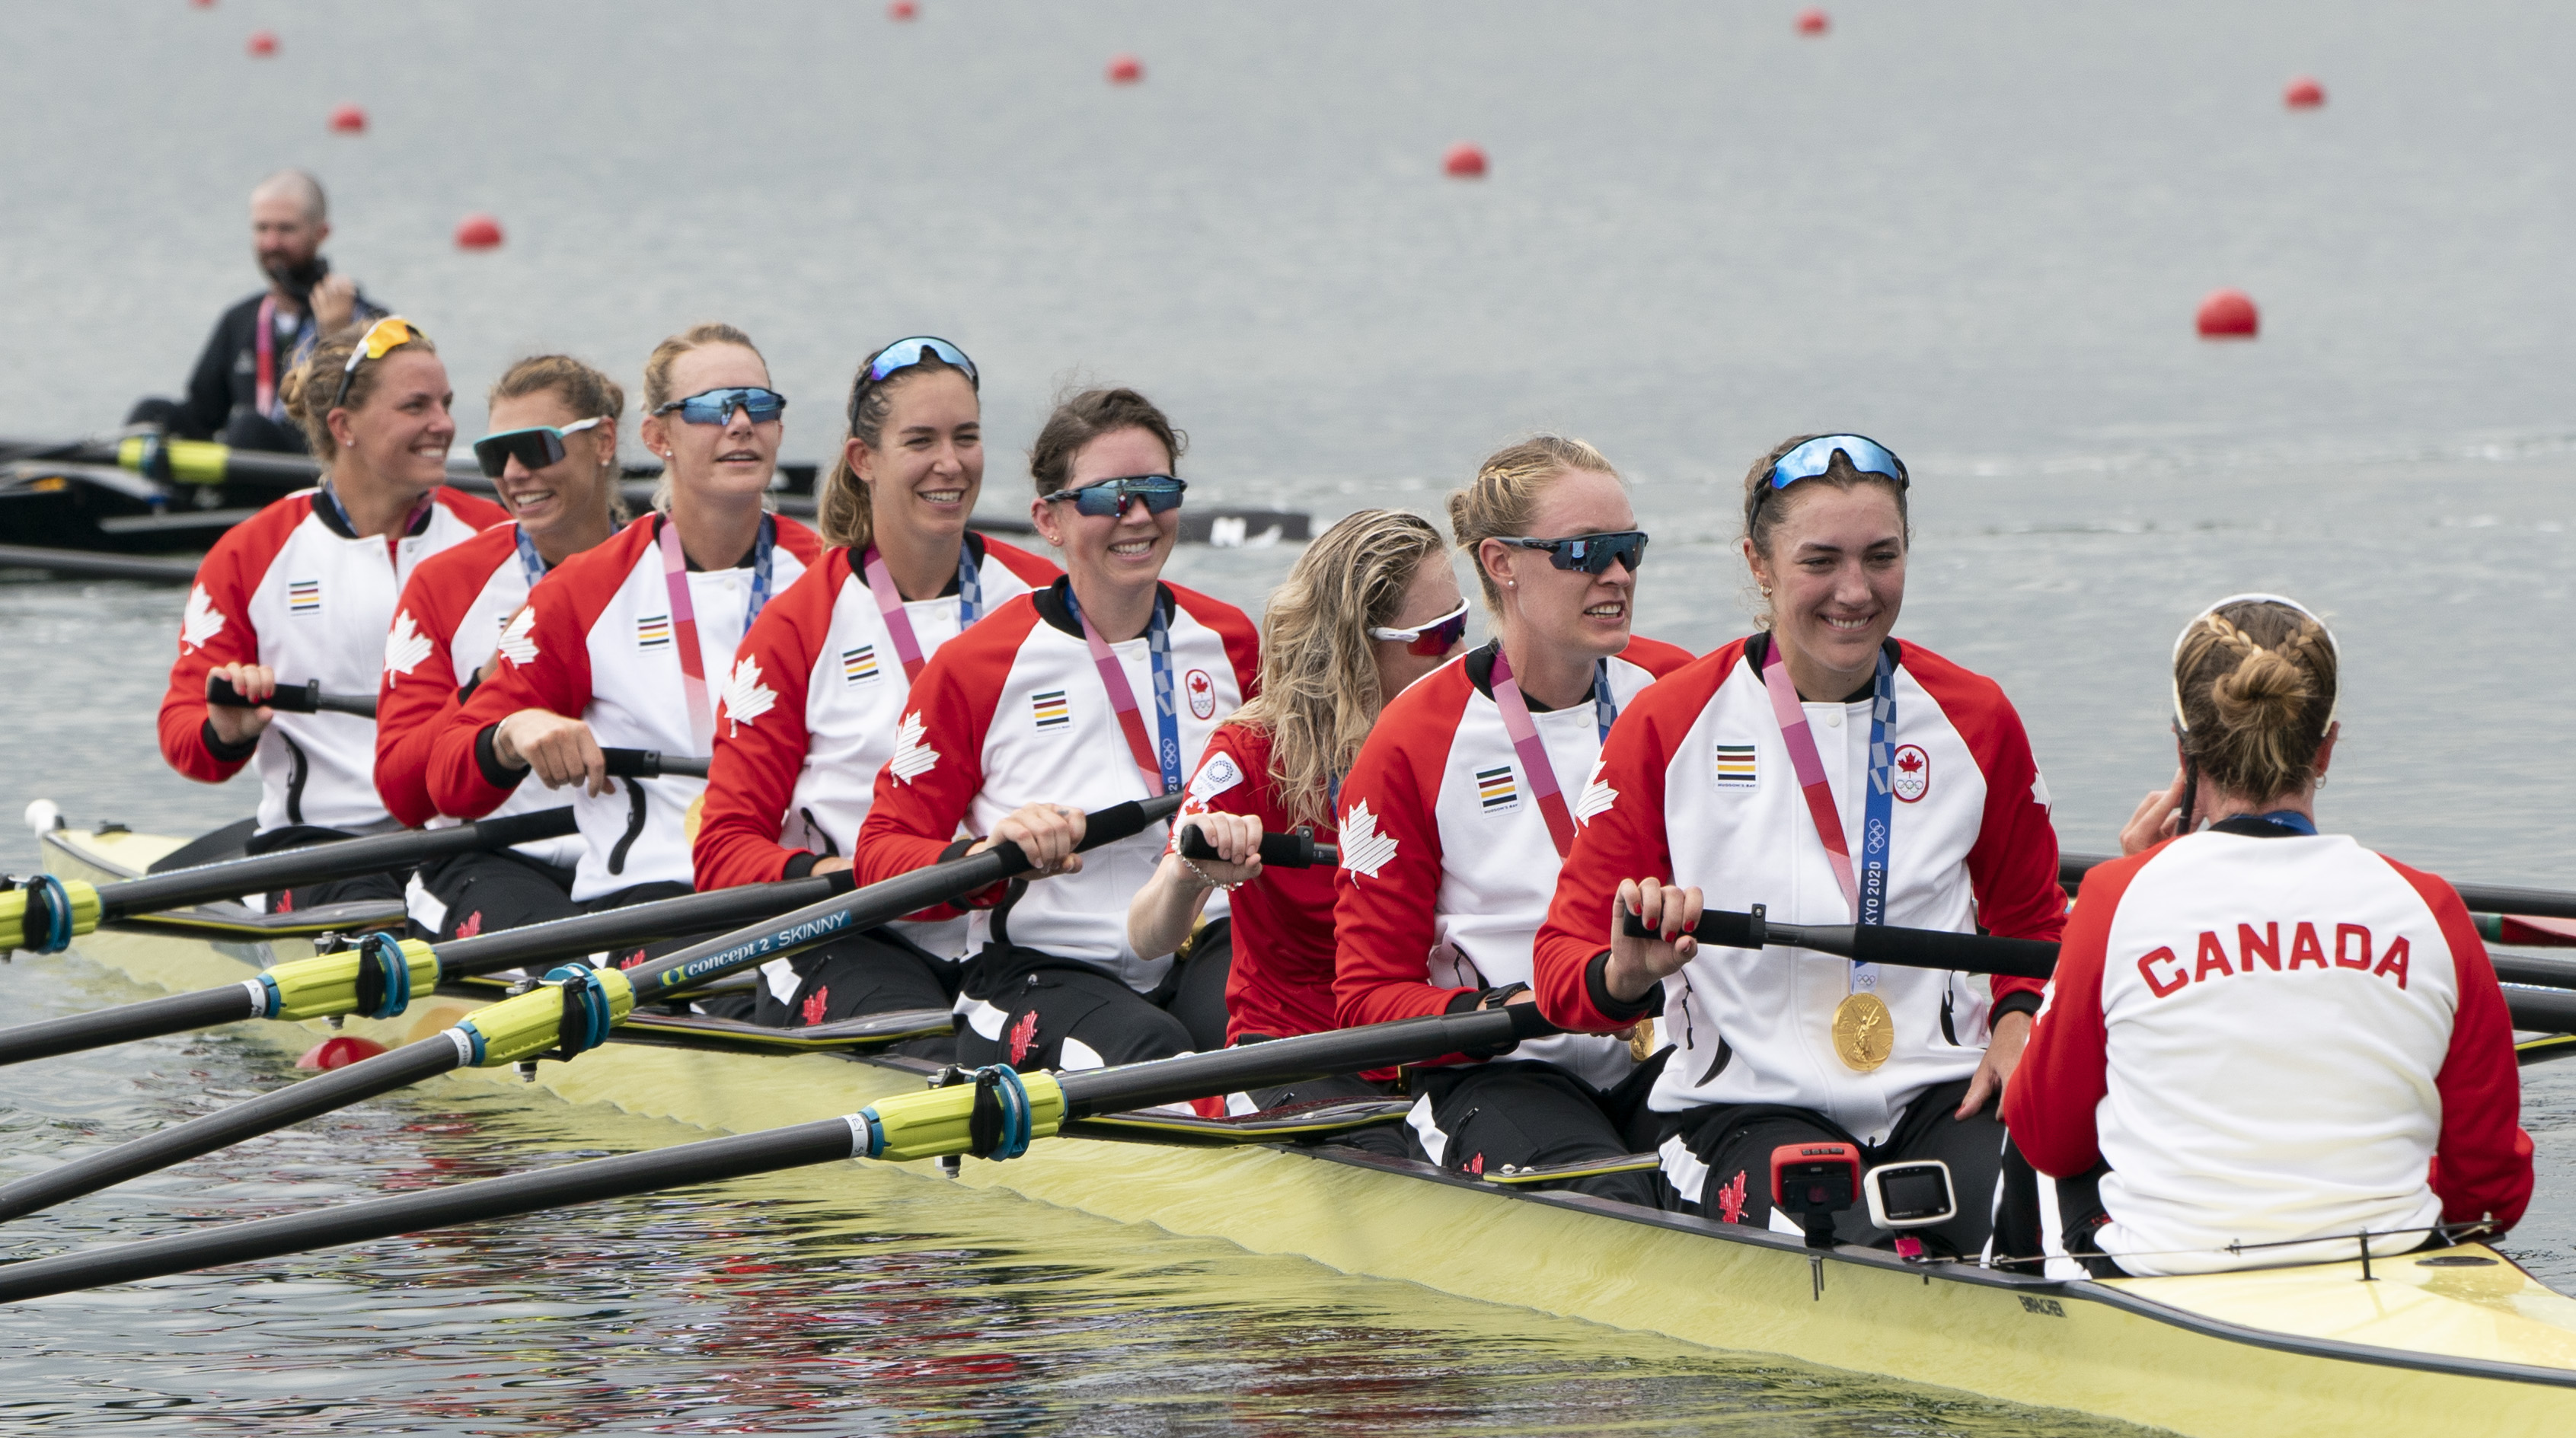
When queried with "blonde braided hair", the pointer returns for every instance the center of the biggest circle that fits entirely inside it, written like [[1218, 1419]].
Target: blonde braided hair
[[2254, 687]]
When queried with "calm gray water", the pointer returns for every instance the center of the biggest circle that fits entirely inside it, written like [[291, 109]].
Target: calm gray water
[[1975, 230]]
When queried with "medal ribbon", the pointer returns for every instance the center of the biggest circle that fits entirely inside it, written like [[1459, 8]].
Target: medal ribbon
[[264, 392], [531, 563], [970, 598], [684, 618], [1163, 764], [1533, 752], [1866, 891]]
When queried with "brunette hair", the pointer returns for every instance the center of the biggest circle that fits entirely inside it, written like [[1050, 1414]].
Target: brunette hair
[[587, 391], [842, 514], [2255, 681], [1079, 419], [657, 378], [1764, 506], [309, 387], [1319, 690], [1498, 502]]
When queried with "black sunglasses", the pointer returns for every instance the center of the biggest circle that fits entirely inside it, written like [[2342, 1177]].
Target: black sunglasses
[[1591, 553], [536, 446]]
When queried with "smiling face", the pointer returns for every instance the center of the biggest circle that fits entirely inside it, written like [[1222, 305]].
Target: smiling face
[[1836, 576], [400, 435], [1568, 610], [931, 467], [1124, 552], [728, 460], [569, 493], [1431, 593]]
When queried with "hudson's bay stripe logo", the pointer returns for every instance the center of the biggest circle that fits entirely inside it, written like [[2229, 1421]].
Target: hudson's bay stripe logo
[[1051, 709], [1735, 766], [304, 596], [653, 632], [1497, 790], [859, 665]]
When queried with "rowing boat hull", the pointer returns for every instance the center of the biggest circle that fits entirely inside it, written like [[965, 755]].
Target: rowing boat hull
[[2294, 1351]]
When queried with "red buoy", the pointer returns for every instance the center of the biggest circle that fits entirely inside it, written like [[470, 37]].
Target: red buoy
[[477, 232], [203, 4], [1813, 22], [2228, 315], [1125, 69], [2303, 93], [338, 1052], [1464, 162], [901, 10], [262, 43], [349, 120]]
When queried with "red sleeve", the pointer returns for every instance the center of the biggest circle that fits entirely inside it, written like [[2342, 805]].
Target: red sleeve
[[556, 676], [215, 630], [800, 541], [2012, 868], [1625, 841], [926, 790], [1034, 570], [414, 703], [2056, 1091], [753, 777], [1654, 655], [2482, 1164], [1242, 641], [1249, 753], [1391, 858], [473, 509]]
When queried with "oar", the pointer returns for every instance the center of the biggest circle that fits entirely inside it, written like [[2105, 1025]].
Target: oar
[[570, 1013], [2480, 898], [308, 698], [45, 914], [996, 1115]]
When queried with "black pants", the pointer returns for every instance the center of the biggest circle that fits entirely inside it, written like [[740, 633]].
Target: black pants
[[363, 888], [488, 892], [1386, 1139], [244, 429], [1529, 1114], [1735, 1142], [1198, 991], [1047, 1001], [876, 972]]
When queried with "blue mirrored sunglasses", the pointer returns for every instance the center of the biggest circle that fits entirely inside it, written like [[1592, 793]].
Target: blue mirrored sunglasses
[[716, 406], [904, 354], [1865, 455], [1108, 498], [1591, 553]]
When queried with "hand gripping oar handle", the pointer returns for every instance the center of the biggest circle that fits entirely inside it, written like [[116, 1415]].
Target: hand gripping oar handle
[[1278, 851], [1874, 943], [651, 764], [305, 698], [570, 1013]]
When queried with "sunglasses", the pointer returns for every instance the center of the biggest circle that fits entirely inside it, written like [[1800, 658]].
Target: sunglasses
[[1591, 553], [904, 354], [1433, 639], [1865, 456], [382, 338], [535, 447], [716, 406], [1108, 499]]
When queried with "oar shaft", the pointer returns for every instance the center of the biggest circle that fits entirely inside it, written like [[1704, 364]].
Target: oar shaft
[[1294, 1060], [641, 923], [126, 1023], [314, 863]]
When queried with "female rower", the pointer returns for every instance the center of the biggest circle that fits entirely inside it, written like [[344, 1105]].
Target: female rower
[[618, 645], [303, 590], [1033, 716], [844, 645], [2265, 1042], [1831, 774], [1463, 803], [552, 455], [1371, 606]]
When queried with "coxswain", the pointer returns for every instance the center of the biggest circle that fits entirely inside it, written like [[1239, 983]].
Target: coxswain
[[1100, 689], [236, 393], [1833, 775], [1463, 803], [552, 456], [1370, 607], [820, 688], [624, 644], [2263, 1044], [304, 589]]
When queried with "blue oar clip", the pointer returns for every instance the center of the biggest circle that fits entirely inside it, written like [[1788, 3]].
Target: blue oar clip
[[587, 1018], [384, 976]]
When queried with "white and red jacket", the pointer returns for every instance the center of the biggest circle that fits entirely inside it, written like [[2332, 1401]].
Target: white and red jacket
[[597, 642], [1447, 864], [449, 623], [292, 588], [1696, 787], [1014, 712], [1279, 982], [2272, 1039]]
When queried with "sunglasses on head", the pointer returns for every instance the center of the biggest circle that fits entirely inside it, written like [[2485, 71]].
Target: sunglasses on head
[[1864, 455], [535, 447], [1591, 553], [1108, 499], [382, 338], [904, 354], [1433, 639], [716, 406]]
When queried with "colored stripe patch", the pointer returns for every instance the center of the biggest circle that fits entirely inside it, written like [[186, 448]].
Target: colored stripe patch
[[1052, 711], [1735, 767], [859, 665], [653, 633], [304, 596], [1498, 790]]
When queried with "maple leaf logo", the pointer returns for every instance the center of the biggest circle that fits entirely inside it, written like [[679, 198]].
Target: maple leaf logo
[[1023, 1037], [202, 622], [1730, 1199], [1364, 849], [1909, 761], [406, 646], [745, 697], [519, 637], [817, 1004], [1597, 796], [912, 758]]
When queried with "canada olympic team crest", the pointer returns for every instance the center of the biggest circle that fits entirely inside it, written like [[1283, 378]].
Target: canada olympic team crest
[[1913, 776], [1202, 694]]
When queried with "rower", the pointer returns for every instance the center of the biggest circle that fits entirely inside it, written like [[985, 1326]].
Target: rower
[[304, 589], [236, 393], [1463, 803], [552, 455], [626, 644], [841, 648], [1831, 774], [2263, 1042], [1099, 689], [1370, 607]]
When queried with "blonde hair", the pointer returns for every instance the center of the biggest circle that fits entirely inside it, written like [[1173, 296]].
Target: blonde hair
[[1498, 502], [308, 388], [2256, 684], [1319, 691], [1765, 507], [842, 512], [585, 390], [657, 379]]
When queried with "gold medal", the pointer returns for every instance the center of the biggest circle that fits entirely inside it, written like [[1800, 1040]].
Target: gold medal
[[689, 821], [1864, 1035], [1641, 1040]]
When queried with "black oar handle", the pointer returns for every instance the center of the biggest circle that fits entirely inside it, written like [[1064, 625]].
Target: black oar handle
[[314, 863], [1278, 851], [1875, 943], [1295, 1060], [305, 698], [2478, 898], [652, 764]]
